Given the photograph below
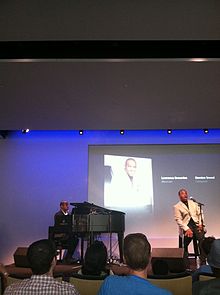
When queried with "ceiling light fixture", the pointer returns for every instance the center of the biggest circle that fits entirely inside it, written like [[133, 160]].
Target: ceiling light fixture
[[198, 59], [24, 131], [80, 132]]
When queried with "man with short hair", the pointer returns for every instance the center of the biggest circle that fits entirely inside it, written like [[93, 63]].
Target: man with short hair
[[189, 218], [41, 256], [62, 224], [212, 286], [137, 251], [62, 217]]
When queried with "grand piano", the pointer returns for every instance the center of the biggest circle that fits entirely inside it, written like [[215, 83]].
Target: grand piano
[[89, 219]]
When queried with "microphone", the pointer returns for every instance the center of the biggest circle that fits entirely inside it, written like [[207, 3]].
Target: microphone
[[194, 200]]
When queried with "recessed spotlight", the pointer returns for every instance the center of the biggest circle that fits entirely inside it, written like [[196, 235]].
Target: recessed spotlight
[[122, 132], [169, 131], [206, 131], [80, 132], [198, 59], [25, 131]]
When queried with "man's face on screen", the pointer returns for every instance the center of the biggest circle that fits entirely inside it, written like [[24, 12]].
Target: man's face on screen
[[183, 195], [130, 167]]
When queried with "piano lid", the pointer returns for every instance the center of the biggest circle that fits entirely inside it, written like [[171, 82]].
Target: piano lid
[[86, 208]]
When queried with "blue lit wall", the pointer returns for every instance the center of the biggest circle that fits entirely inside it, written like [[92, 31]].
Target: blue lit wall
[[41, 168]]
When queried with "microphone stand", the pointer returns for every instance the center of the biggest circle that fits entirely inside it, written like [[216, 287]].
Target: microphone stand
[[110, 235], [200, 210], [202, 232]]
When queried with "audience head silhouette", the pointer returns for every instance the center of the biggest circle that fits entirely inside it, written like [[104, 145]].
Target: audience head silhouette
[[40, 255], [214, 257], [137, 251], [95, 259]]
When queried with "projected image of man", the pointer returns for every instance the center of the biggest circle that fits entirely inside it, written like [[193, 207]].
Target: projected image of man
[[131, 182], [130, 168], [129, 186]]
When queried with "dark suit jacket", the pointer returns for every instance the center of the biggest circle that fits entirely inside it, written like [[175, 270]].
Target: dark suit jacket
[[60, 219]]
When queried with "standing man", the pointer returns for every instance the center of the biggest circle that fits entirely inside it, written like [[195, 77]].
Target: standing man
[[62, 224], [188, 215]]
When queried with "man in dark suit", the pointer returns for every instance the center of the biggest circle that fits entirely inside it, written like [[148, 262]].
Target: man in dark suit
[[62, 226]]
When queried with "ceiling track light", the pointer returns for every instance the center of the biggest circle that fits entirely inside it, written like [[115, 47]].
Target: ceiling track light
[[206, 131], [169, 131], [80, 132], [198, 59], [122, 132], [24, 131]]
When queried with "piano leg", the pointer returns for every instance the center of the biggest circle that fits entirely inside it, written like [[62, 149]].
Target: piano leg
[[82, 249], [91, 238], [120, 245]]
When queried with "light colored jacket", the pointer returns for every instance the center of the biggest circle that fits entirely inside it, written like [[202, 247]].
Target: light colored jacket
[[182, 214]]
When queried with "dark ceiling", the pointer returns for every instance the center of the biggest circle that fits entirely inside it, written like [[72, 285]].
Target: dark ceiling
[[149, 94], [110, 94]]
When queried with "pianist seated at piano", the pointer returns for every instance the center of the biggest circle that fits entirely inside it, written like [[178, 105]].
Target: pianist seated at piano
[[62, 220]]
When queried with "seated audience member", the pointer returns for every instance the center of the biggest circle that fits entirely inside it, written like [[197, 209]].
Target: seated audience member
[[95, 260], [3, 278], [42, 258], [211, 286], [62, 219], [137, 251], [160, 267], [206, 246]]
